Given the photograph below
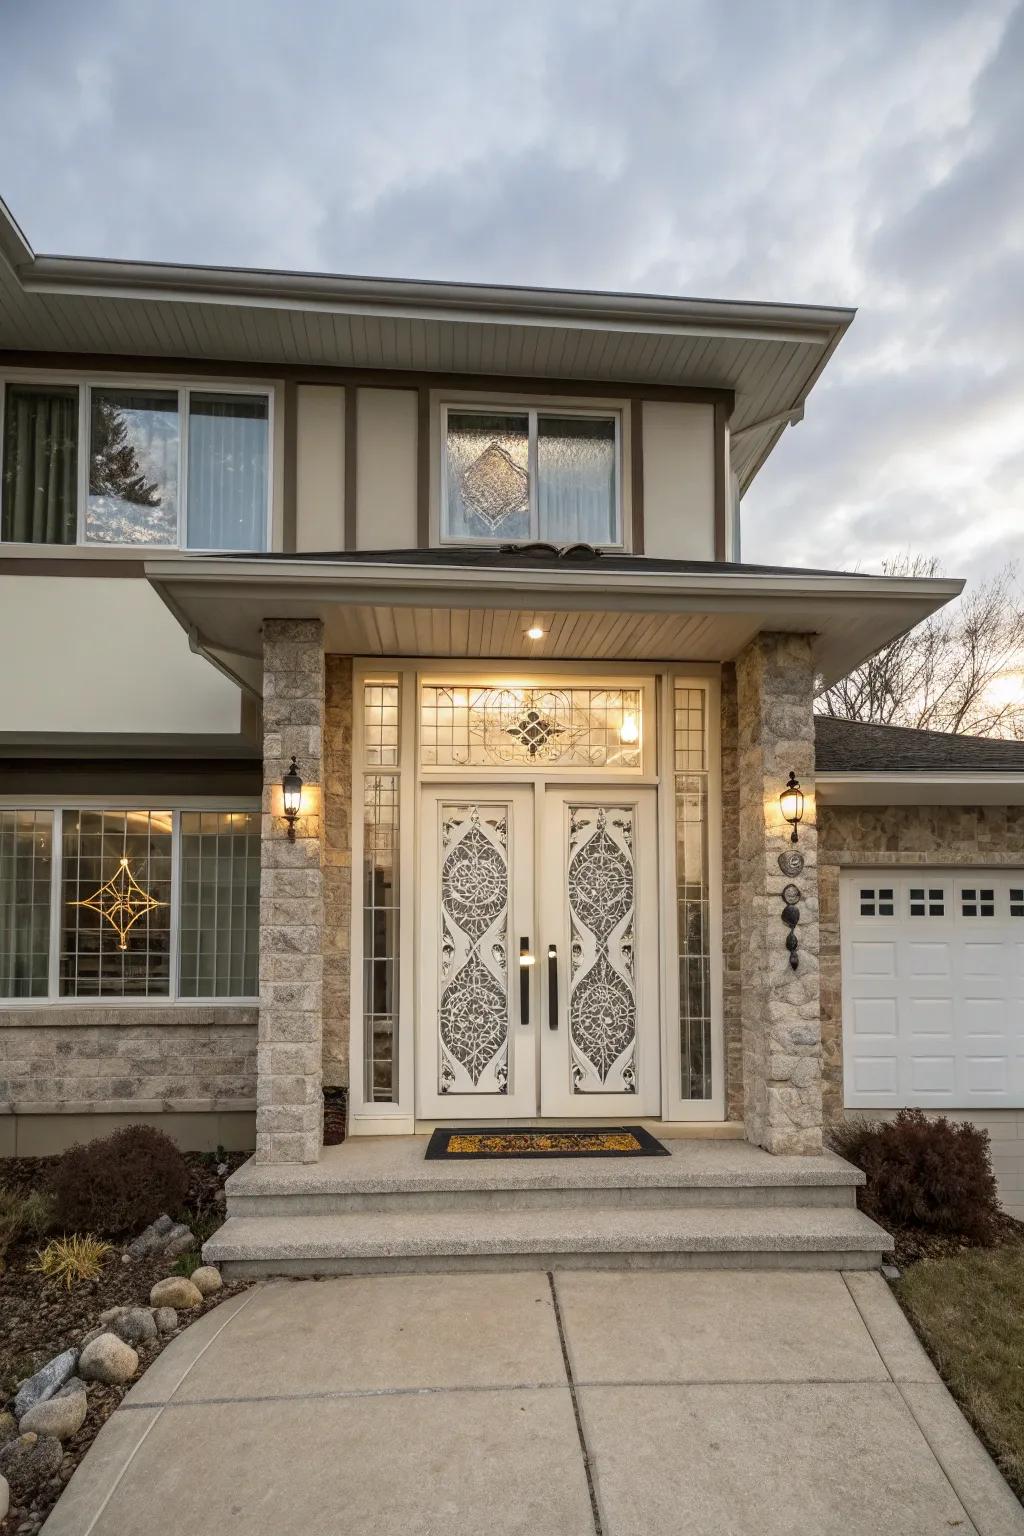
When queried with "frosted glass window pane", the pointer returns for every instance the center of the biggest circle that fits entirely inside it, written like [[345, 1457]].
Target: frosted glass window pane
[[576, 479], [488, 476], [220, 904], [116, 901], [380, 936], [227, 471], [133, 467]]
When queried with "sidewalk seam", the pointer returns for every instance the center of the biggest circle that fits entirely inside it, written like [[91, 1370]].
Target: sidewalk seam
[[584, 1450]]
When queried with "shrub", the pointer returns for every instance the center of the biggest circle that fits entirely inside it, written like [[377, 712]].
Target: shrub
[[23, 1215], [119, 1184], [188, 1263], [933, 1174], [66, 1260]]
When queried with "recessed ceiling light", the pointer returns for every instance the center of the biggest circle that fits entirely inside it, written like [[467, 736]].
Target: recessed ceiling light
[[535, 632]]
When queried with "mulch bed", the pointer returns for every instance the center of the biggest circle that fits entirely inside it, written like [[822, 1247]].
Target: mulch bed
[[39, 1319]]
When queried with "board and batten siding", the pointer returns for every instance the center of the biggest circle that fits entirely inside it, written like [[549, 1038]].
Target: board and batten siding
[[360, 463]]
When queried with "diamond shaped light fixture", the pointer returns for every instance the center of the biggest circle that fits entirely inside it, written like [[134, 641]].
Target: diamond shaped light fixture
[[121, 902]]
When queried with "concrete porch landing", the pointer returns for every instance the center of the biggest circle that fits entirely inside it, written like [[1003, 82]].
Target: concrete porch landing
[[375, 1205]]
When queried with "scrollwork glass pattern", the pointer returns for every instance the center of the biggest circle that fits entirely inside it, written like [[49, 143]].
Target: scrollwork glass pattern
[[479, 726], [473, 1011], [602, 984]]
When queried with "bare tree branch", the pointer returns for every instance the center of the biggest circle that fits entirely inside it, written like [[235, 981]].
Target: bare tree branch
[[941, 676]]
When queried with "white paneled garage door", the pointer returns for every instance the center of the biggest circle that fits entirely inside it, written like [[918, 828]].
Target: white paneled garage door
[[933, 988]]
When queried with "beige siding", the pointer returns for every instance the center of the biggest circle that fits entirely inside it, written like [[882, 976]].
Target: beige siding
[[679, 480], [103, 655], [320, 468], [386, 431]]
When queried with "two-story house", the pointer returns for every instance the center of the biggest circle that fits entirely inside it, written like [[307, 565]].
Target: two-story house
[[387, 706]]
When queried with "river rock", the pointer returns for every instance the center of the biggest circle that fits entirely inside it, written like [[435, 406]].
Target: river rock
[[175, 1291], [206, 1280], [5, 1497], [108, 1359], [135, 1326], [112, 1312], [60, 1416], [45, 1382], [180, 1243], [166, 1319], [30, 1461]]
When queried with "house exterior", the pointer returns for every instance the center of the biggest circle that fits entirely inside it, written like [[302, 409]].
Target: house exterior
[[467, 561]]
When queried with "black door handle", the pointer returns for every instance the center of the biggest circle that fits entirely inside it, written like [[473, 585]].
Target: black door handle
[[552, 987], [525, 962]]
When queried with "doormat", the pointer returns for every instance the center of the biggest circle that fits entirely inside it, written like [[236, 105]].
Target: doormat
[[615, 1141]]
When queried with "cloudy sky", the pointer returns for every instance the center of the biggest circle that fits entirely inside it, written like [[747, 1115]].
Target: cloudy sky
[[865, 152]]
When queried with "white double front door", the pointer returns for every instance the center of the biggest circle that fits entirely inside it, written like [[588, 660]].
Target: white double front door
[[565, 878]]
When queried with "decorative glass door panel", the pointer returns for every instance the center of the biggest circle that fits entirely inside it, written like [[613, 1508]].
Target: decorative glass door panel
[[475, 1057], [600, 1045]]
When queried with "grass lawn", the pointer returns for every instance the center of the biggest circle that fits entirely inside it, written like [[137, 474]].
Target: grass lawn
[[968, 1310]]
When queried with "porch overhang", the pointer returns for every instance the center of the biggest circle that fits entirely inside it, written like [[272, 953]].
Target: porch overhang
[[623, 610]]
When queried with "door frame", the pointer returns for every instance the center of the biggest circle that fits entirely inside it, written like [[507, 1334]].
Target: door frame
[[398, 1116]]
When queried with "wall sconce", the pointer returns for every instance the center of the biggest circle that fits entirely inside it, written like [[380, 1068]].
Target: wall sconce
[[792, 802], [291, 787], [629, 731]]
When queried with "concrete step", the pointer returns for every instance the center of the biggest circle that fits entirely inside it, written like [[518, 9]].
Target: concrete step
[[390, 1175], [597, 1238]]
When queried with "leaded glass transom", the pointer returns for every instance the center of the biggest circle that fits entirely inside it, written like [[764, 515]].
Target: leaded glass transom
[[481, 726]]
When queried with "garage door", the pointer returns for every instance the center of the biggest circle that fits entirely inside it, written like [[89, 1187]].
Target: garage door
[[933, 988]]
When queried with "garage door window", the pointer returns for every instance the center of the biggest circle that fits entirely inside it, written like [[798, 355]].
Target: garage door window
[[977, 901], [927, 901], [1016, 901], [877, 901]]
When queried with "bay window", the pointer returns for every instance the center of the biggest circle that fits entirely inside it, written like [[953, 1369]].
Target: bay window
[[511, 476], [166, 466], [129, 903]]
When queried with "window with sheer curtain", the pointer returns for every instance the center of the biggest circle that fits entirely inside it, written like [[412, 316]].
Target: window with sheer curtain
[[164, 466], [515, 475]]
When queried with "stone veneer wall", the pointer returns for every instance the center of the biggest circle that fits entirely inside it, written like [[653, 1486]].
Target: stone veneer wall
[[732, 989], [779, 1006], [905, 836], [289, 1097], [174, 1059], [337, 869]]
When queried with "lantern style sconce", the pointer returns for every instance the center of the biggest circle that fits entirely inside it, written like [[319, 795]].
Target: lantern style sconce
[[291, 786], [792, 802]]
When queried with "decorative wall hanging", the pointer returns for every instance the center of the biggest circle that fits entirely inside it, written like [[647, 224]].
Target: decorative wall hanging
[[791, 895], [121, 901]]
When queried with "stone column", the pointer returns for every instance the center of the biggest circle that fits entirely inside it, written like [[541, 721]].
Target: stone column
[[289, 1100], [780, 1007]]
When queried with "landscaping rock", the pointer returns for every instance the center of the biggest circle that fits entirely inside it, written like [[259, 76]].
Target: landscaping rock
[[45, 1382], [156, 1237], [61, 1415], [166, 1319], [135, 1325], [30, 1461], [112, 1312], [108, 1359], [180, 1244], [206, 1280], [5, 1497], [8, 1428], [175, 1291]]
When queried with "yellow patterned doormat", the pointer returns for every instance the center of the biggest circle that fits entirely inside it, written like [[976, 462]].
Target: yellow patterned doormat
[[616, 1141]]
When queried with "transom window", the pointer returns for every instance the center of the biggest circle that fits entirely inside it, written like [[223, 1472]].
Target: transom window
[[927, 901], [511, 476], [135, 466], [877, 901], [977, 901], [481, 726], [129, 903]]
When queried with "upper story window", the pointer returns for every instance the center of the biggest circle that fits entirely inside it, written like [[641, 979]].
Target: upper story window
[[135, 466], [514, 475]]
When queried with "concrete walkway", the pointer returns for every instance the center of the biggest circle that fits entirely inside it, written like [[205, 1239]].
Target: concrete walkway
[[621, 1404]]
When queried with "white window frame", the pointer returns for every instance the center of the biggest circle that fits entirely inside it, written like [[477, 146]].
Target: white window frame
[[184, 390], [173, 997], [532, 413]]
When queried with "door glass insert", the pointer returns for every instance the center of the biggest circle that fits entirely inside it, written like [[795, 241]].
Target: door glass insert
[[473, 1008], [692, 909], [479, 726], [602, 989]]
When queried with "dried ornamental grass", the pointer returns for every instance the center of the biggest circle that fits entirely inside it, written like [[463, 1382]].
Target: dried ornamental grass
[[67, 1260]]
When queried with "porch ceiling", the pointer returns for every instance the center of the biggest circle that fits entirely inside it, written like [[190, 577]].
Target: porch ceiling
[[684, 614]]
